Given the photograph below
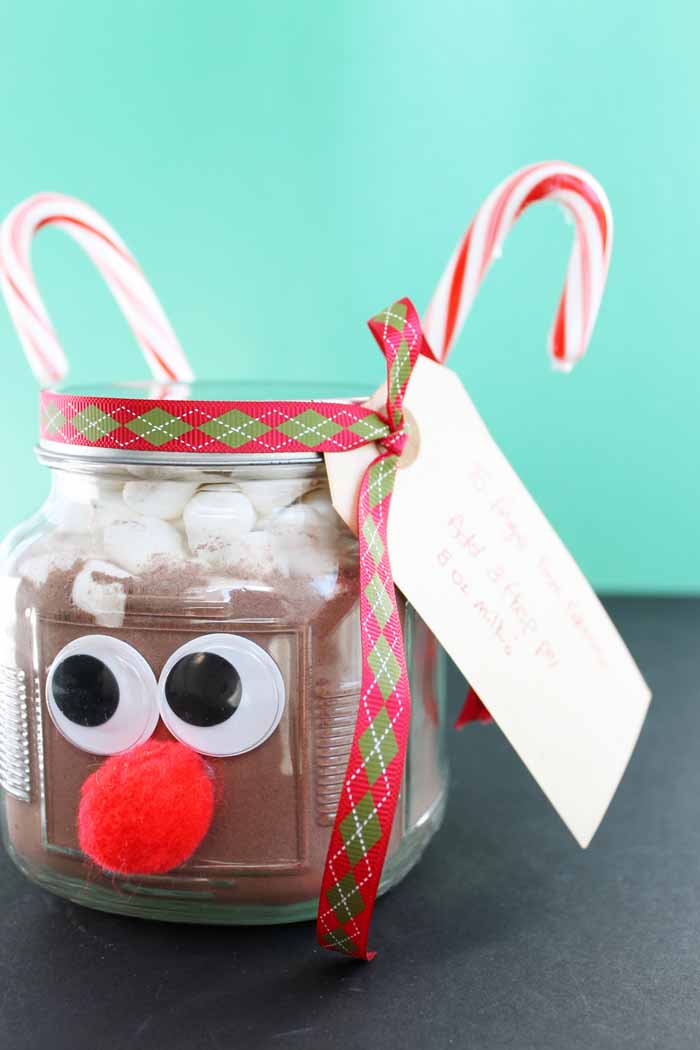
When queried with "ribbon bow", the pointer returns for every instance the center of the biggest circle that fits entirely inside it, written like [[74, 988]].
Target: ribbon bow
[[374, 773]]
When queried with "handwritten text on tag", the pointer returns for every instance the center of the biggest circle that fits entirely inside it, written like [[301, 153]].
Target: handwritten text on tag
[[473, 553]]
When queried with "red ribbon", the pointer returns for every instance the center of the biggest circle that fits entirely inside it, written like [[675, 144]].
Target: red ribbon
[[473, 710], [374, 773]]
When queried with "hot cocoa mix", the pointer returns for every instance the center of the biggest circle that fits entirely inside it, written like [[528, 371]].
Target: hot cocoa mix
[[275, 804]]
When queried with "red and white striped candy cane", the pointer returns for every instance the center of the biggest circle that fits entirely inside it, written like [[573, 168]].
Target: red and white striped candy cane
[[117, 265], [584, 199]]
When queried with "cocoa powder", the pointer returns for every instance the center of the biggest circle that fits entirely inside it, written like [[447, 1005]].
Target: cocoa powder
[[265, 845]]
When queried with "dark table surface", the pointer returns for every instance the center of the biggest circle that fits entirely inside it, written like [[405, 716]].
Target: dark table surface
[[505, 935]]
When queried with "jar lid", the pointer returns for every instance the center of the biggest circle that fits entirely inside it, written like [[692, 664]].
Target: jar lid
[[178, 421]]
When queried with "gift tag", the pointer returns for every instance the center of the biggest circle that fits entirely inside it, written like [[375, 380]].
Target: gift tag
[[478, 560]]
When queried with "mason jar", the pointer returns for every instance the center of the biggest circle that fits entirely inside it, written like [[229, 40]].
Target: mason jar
[[180, 678]]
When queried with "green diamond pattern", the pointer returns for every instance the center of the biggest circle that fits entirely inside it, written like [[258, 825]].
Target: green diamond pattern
[[345, 898], [158, 427], [234, 428], [361, 829], [380, 601], [373, 539], [381, 479], [385, 666], [93, 423], [378, 746], [310, 428], [394, 316], [371, 428], [53, 420], [340, 940], [399, 375]]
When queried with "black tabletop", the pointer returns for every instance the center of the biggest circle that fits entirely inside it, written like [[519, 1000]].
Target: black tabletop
[[505, 935]]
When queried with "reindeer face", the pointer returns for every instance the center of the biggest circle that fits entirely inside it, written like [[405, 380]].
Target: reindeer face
[[187, 748]]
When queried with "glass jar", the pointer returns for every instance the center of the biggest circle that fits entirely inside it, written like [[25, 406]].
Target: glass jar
[[211, 601]]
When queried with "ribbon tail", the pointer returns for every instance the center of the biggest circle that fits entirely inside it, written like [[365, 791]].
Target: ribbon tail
[[473, 710], [374, 775]]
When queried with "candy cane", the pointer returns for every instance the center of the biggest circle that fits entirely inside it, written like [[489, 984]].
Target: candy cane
[[586, 202], [118, 267]]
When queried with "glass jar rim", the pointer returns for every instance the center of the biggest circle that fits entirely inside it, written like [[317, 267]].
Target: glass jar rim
[[85, 458]]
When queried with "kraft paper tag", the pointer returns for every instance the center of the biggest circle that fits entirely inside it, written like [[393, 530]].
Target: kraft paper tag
[[478, 560]]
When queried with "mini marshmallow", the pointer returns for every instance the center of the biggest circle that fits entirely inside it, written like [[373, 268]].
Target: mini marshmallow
[[335, 532], [319, 500], [299, 518], [139, 544], [304, 520], [103, 600], [261, 554], [75, 499], [215, 519], [215, 555], [111, 508], [158, 499], [307, 541], [38, 569], [252, 556], [269, 496], [197, 477], [71, 517], [309, 559]]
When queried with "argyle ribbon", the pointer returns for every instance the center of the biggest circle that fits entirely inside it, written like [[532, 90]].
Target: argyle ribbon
[[374, 772]]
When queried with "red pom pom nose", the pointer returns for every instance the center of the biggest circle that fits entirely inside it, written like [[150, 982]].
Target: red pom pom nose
[[146, 811]]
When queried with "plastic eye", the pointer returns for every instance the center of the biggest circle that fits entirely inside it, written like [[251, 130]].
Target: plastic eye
[[101, 695], [221, 694]]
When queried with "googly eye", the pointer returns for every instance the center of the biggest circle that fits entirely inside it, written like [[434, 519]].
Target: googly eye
[[221, 694], [101, 695]]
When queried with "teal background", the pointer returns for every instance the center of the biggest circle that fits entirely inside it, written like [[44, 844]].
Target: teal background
[[282, 171]]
